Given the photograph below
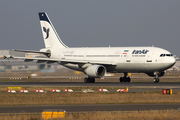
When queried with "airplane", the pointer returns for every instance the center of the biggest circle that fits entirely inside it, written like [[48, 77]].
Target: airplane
[[95, 62]]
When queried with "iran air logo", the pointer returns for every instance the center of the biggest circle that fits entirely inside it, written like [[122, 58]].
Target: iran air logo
[[144, 51], [46, 31]]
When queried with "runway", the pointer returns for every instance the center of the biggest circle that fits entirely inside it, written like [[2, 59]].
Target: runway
[[96, 107], [84, 108], [97, 84]]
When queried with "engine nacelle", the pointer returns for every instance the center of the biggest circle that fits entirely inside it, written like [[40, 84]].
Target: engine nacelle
[[160, 74], [95, 71]]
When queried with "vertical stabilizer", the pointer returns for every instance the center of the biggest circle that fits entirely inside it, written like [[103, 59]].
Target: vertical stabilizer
[[50, 36]]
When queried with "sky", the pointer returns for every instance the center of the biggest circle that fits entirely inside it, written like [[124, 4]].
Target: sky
[[92, 23]]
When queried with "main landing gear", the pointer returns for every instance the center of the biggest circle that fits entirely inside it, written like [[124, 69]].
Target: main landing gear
[[125, 78], [89, 80]]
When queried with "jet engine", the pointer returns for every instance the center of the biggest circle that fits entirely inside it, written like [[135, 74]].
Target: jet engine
[[95, 71], [160, 74]]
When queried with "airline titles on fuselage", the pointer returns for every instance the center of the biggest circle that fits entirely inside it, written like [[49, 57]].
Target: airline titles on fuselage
[[140, 51], [68, 52]]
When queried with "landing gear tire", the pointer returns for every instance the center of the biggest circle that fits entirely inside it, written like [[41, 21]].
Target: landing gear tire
[[156, 80], [123, 79], [128, 79], [89, 80], [86, 80], [92, 80]]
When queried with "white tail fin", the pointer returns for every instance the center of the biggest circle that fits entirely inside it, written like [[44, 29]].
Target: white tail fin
[[51, 38]]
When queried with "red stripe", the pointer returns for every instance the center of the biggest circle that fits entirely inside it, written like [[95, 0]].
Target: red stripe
[[124, 53]]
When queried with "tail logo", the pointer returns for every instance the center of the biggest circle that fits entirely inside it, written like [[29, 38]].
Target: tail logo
[[46, 31]]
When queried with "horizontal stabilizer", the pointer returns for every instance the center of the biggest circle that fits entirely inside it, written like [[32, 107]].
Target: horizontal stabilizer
[[47, 53], [31, 51]]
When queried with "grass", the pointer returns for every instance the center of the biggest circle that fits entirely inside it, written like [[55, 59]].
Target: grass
[[135, 115], [21, 117], [89, 98]]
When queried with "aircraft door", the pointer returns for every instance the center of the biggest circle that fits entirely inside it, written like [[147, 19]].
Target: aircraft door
[[128, 58], [149, 57], [84, 57], [148, 61]]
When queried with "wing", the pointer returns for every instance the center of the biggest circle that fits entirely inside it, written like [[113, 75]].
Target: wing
[[87, 61], [63, 61]]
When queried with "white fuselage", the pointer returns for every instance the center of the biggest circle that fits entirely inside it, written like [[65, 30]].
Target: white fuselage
[[127, 59]]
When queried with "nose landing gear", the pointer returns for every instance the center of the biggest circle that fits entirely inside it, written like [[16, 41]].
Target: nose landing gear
[[156, 79], [125, 78]]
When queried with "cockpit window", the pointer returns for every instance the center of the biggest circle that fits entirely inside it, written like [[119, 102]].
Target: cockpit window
[[162, 55]]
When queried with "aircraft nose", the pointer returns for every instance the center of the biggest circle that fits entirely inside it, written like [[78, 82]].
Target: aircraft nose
[[172, 61]]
